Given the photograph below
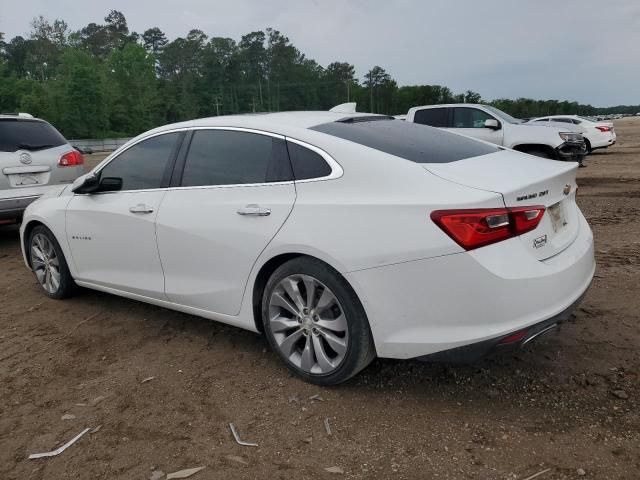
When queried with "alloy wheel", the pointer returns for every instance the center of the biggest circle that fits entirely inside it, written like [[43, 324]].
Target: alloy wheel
[[308, 324], [45, 263]]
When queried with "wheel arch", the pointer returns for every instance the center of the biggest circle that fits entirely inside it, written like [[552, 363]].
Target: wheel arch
[[28, 228], [265, 272]]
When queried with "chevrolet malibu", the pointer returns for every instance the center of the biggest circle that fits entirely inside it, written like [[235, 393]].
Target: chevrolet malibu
[[341, 237]]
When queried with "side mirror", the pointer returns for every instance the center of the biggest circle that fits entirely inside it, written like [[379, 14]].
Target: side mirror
[[86, 184], [492, 123], [110, 184]]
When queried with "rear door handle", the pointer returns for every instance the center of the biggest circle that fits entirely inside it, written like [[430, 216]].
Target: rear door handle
[[141, 208], [254, 211]]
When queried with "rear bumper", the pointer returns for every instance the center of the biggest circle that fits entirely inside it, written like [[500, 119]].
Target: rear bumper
[[13, 202], [12, 208], [475, 351], [427, 306]]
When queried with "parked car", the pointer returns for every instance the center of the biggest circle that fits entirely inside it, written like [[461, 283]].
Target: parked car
[[597, 134], [340, 236], [492, 125], [35, 159]]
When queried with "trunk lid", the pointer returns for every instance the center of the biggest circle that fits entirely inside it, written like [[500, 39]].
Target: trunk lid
[[524, 180]]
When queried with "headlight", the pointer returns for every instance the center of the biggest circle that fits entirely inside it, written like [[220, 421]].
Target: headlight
[[571, 136]]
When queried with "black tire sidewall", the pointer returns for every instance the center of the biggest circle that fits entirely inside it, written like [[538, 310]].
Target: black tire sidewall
[[360, 345], [67, 286]]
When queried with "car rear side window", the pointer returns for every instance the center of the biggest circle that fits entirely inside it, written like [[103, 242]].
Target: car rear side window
[[434, 117], [22, 134], [146, 164], [306, 163], [408, 140], [229, 157]]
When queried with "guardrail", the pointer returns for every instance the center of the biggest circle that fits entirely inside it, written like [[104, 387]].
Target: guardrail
[[104, 145]]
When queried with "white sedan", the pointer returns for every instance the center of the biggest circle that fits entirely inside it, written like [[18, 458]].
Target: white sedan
[[596, 134], [340, 236]]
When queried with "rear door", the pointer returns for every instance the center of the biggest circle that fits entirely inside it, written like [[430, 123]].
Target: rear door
[[235, 192]]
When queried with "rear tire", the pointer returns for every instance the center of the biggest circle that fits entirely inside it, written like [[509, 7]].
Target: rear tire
[[49, 265], [587, 144], [315, 322]]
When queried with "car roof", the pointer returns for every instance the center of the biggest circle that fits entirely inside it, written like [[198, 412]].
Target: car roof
[[267, 121], [450, 105]]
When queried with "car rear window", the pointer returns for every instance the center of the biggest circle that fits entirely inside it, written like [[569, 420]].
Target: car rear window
[[418, 143], [21, 134]]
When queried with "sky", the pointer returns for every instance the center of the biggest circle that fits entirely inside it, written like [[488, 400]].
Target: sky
[[582, 50]]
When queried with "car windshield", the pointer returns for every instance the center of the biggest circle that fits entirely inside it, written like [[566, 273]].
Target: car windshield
[[21, 134], [408, 140], [503, 116]]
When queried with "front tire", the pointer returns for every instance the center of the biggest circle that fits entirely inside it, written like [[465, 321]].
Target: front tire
[[49, 265], [315, 323]]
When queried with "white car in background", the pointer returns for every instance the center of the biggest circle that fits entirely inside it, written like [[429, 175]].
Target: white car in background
[[340, 236], [490, 124], [597, 134], [35, 159]]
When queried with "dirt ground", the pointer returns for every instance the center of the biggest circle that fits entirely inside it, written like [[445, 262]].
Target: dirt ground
[[567, 407]]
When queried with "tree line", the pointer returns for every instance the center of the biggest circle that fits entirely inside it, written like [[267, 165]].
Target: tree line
[[105, 80]]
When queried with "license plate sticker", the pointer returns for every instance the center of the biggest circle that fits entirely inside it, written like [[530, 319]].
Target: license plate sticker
[[556, 213]]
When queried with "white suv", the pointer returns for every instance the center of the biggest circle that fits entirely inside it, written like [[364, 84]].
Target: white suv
[[492, 125], [34, 159]]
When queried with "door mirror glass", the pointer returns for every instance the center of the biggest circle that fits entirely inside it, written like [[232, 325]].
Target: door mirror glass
[[492, 123]]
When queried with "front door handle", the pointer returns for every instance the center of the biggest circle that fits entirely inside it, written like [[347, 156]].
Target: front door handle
[[141, 208], [254, 211]]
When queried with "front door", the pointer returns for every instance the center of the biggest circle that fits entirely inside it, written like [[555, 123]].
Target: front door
[[469, 121], [112, 234]]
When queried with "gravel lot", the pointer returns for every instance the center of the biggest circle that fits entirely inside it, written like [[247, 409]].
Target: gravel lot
[[567, 407]]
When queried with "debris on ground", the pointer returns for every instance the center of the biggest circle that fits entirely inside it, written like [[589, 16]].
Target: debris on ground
[[236, 458], [334, 470], [68, 416], [156, 475], [581, 472], [536, 475], [620, 394], [96, 430], [316, 397], [327, 427], [237, 438], [148, 379], [186, 473], [97, 400], [61, 449]]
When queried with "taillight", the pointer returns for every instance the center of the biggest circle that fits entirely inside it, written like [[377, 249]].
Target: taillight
[[603, 128], [71, 159], [477, 227]]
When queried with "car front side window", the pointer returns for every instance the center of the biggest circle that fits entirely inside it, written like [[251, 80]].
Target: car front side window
[[469, 118], [145, 165]]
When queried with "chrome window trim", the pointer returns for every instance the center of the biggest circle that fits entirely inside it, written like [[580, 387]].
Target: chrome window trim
[[336, 168]]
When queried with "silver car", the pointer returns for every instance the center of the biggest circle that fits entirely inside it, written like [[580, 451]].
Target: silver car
[[34, 159]]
